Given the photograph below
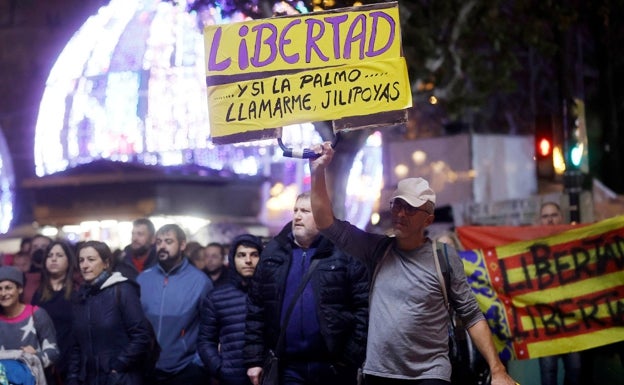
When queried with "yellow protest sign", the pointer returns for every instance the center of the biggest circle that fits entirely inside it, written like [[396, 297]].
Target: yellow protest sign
[[265, 74], [307, 41], [308, 96]]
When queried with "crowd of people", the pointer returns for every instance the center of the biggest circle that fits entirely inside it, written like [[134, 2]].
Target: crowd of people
[[333, 303]]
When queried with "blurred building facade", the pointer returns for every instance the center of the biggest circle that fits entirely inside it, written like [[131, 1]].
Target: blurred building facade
[[114, 126], [104, 114]]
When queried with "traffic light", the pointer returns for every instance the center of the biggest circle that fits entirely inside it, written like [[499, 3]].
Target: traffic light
[[577, 165], [576, 157], [544, 147]]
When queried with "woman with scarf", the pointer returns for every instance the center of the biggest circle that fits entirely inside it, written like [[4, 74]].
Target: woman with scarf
[[111, 335]]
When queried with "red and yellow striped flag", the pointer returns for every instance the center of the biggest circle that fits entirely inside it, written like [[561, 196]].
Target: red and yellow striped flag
[[553, 295]]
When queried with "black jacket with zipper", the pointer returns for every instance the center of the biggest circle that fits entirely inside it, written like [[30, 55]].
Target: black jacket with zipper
[[111, 333], [340, 285]]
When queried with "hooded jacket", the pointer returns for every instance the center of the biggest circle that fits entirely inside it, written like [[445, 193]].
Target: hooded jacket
[[110, 333], [340, 285], [223, 323]]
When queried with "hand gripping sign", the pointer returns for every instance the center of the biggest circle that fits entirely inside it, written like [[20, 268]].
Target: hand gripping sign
[[343, 65]]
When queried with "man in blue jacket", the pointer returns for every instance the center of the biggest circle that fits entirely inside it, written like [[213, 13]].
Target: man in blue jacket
[[171, 294], [325, 336]]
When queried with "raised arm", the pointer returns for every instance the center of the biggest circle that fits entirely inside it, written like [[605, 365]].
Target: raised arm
[[319, 198]]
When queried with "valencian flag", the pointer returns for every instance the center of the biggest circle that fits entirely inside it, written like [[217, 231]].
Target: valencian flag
[[552, 295]]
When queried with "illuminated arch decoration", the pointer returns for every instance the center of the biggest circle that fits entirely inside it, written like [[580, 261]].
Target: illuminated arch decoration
[[7, 186], [130, 86]]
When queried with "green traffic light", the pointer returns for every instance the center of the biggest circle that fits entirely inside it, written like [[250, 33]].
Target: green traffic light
[[576, 155]]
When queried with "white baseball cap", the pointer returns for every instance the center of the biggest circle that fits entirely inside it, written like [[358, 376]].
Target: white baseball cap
[[415, 191]]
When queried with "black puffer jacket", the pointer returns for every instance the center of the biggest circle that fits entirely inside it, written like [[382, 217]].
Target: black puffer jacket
[[340, 285], [223, 315], [110, 333]]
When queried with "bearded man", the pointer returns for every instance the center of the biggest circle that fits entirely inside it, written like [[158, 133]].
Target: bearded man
[[140, 254], [171, 295]]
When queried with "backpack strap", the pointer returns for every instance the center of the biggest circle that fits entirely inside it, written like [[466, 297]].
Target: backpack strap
[[379, 255], [381, 248], [443, 268]]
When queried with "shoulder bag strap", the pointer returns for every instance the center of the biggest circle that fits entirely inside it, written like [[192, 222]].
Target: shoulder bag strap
[[384, 246], [443, 277], [291, 306]]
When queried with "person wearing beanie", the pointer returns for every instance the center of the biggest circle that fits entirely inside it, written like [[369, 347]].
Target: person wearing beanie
[[12, 274], [222, 328], [27, 336], [408, 320]]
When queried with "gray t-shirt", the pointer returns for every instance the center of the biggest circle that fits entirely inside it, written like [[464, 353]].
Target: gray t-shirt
[[407, 334]]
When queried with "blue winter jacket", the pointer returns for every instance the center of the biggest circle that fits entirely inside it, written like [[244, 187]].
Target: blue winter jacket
[[222, 329], [171, 301]]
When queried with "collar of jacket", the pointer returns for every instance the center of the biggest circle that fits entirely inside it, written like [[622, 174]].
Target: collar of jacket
[[174, 270], [286, 239]]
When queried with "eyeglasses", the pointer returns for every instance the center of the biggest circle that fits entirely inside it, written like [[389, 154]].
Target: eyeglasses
[[396, 206]]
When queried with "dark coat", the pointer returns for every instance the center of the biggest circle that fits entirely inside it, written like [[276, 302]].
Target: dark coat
[[125, 266], [59, 309], [223, 315], [110, 333], [340, 285]]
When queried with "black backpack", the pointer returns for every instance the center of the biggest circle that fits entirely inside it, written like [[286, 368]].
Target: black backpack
[[469, 366]]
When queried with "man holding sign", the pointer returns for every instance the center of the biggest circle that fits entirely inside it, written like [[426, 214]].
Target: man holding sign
[[407, 339]]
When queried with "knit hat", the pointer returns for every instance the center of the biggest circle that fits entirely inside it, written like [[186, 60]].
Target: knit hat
[[10, 273], [415, 191]]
